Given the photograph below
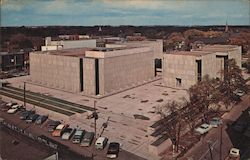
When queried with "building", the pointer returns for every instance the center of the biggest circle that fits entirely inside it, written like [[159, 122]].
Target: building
[[98, 71], [182, 69], [63, 42], [156, 45], [12, 61]]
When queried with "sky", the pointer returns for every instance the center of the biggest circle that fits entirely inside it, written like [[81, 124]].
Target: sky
[[124, 12]]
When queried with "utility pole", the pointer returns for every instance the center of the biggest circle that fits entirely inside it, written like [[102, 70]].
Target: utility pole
[[221, 142], [24, 94], [95, 115], [210, 150]]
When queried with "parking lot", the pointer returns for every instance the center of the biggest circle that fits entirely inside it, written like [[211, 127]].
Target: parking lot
[[117, 110], [42, 130]]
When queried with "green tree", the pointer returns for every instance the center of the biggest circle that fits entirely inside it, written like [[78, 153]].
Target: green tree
[[233, 81], [203, 94]]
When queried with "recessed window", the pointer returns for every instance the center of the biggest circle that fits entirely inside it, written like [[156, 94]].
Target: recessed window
[[178, 82]]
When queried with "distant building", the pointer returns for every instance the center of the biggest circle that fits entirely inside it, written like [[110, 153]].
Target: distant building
[[13, 61], [65, 42], [182, 69], [98, 71]]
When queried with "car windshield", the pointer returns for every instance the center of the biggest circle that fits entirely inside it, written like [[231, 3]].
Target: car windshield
[[203, 127]]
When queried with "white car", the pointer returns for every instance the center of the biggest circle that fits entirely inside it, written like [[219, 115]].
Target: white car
[[68, 133], [11, 104], [234, 152], [204, 128], [13, 109], [239, 92]]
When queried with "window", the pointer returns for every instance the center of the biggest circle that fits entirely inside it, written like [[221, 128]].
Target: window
[[178, 82]]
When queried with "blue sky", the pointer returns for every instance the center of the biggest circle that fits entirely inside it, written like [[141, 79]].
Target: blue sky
[[124, 12]]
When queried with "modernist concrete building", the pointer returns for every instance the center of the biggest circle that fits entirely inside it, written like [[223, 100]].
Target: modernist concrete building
[[67, 44], [93, 71], [156, 45], [182, 69]]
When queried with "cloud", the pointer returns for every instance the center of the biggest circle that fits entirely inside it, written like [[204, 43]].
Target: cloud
[[132, 12]]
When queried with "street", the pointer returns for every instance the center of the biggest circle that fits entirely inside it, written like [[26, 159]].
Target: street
[[209, 145]]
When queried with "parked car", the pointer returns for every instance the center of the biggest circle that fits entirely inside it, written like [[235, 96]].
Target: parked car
[[10, 104], [239, 92], [14, 109], [215, 122], [52, 125], [101, 142], [32, 118], [234, 152], [68, 133], [41, 119], [87, 139], [204, 128], [77, 138], [113, 150], [25, 114], [59, 130]]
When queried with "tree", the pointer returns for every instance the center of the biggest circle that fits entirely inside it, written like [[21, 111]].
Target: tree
[[172, 121], [203, 94], [233, 81], [190, 114], [20, 41]]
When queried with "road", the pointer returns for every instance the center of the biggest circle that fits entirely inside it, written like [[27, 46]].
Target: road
[[202, 151]]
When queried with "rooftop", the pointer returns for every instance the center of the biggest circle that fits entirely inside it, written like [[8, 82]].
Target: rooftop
[[80, 52], [219, 48], [10, 53], [76, 52], [190, 53]]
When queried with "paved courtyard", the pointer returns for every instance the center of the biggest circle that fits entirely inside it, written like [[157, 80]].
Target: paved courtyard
[[117, 110]]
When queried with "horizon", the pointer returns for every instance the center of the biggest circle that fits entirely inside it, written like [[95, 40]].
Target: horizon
[[125, 13], [125, 26]]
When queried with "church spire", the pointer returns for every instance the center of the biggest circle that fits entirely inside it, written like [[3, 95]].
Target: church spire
[[226, 28]]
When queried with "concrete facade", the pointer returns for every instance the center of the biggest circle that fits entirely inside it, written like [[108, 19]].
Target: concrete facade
[[156, 45], [183, 69], [67, 44], [55, 71], [92, 72], [118, 69]]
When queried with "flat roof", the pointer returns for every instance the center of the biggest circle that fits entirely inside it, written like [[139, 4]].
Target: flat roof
[[219, 48], [80, 52], [75, 52], [190, 53], [104, 49], [10, 53]]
